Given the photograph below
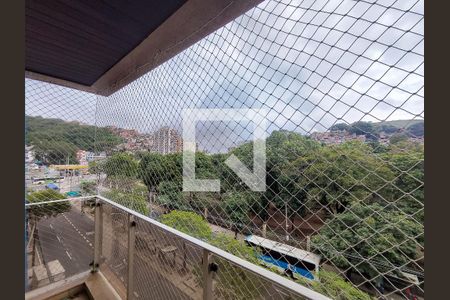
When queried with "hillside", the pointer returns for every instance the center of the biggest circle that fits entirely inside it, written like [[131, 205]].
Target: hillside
[[414, 128], [55, 141], [399, 123]]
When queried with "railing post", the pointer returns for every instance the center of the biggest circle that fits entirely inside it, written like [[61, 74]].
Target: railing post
[[98, 231], [209, 268], [131, 239]]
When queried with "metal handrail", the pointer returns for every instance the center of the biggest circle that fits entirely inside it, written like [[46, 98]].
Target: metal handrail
[[258, 270]]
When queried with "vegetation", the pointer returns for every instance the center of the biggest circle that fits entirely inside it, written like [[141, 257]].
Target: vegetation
[[88, 188], [236, 283], [189, 223], [372, 196], [336, 176], [133, 199], [369, 231], [334, 286], [414, 128], [121, 164], [56, 141], [237, 207], [49, 209]]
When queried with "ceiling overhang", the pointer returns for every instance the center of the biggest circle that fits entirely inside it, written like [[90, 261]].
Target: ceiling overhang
[[177, 26]]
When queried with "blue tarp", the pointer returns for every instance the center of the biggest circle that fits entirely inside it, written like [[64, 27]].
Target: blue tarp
[[73, 194]]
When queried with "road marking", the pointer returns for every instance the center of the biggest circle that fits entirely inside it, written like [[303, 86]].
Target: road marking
[[68, 255], [51, 226], [79, 232], [58, 238]]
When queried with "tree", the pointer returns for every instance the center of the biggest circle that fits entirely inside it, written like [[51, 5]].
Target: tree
[[370, 240], [55, 152], [47, 209], [95, 167], [398, 137], [236, 206], [338, 175], [416, 129], [364, 128], [388, 129], [155, 168], [121, 164], [171, 196], [88, 188], [189, 223], [134, 201], [56, 140], [204, 201], [408, 166], [334, 286], [282, 148], [340, 127]]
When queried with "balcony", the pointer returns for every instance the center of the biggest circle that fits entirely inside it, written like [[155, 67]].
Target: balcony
[[95, 246], [128, 104]]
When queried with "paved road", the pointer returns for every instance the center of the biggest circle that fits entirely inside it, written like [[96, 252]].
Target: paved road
[[67, 237]]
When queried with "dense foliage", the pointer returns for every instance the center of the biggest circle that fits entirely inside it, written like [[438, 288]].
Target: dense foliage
[[371, 196], [56, 141], [88, 188], [370, 237], [133, 200], [332, 285], [407, 128], [121, 164], [188, 222], [237, 283], [48, 209]]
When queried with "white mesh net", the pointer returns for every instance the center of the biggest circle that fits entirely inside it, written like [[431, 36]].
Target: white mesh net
[[341, 85]]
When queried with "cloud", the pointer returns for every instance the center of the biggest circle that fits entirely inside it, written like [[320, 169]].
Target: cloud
[[309, 63]]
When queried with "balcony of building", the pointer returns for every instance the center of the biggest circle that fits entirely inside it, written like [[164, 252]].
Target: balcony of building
[[339, 85]]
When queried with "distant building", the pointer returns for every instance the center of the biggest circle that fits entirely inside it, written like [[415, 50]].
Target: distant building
[[84, 157], [167, 140], [336, 137], [29, 155], [81, 156]]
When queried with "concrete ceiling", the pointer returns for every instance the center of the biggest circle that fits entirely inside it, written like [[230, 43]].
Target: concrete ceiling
[[100, 46]]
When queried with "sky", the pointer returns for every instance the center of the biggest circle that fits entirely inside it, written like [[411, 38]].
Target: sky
[[309, 64]]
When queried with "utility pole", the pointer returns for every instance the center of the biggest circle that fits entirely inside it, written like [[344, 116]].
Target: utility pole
[[286, 219]]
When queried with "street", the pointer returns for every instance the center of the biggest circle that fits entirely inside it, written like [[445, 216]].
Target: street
[[67, 237]]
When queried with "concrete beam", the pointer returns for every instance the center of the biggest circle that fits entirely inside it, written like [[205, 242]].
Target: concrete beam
[[189, 24]]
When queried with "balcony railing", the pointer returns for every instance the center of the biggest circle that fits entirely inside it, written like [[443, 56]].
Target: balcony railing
[[141, 257]]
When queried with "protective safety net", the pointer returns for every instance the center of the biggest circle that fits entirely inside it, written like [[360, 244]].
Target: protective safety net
[[339, 88]]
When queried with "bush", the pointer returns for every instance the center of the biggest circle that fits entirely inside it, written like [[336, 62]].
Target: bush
[[334, 286], [88, 187], [189, 223], [235, 247], [133, 201], [49, 209]]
